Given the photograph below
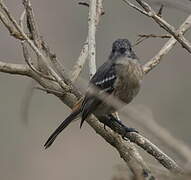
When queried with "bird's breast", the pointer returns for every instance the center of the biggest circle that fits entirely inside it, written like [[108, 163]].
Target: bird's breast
[[129, 79]]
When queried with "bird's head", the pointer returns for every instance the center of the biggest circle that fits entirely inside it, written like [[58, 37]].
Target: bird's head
[[122, 48]]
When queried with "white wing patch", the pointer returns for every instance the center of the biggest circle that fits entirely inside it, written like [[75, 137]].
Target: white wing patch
[[105, 80]]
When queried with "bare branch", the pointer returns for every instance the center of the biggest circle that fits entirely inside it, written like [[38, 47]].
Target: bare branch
[[162, 23], [26, 55], [84, 3], [135, 7], [160, 10], [19, 69], [167, 47], [152, 149], [56, 63], [28, 60], [77, 68], [31, 23], [143, 37], [126, 150], [145, 144], [91, 37], [13, 32], [36, 50], [59, 68], [35, 35]]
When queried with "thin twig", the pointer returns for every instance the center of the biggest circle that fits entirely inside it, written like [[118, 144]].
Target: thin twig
[[56, 63], [36, 50], [167, 47], [148, 11], [142, 37], [165, 25], [35, 35], [78, 66], [13, 32], [26, 53], [18, 69], [28, 60], [31, 23], [59, 68], [84, 3], [134, 7], [160, 10]]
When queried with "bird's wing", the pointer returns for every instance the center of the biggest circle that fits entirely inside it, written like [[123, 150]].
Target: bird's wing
[[103, 81]]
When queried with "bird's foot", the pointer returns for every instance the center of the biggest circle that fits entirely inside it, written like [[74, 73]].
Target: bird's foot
[[127, 131]]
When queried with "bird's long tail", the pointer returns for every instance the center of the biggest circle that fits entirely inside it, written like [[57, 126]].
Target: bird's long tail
[[62, 126]]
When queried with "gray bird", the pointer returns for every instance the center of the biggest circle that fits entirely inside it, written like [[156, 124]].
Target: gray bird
[[120, 76]]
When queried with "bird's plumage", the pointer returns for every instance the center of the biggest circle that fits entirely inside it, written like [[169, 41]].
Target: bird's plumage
[[119, 76]]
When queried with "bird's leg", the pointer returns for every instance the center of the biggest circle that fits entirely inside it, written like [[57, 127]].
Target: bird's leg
[[116, 125], [126, 128]]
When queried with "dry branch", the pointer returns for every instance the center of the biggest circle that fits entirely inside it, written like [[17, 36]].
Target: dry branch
[[18, 69], [142, 37], [149, 12], [167, 47], [162, 23], [91, 37], [77, 68]]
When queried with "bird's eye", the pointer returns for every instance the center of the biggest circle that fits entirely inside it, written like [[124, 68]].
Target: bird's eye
[[122, 50]]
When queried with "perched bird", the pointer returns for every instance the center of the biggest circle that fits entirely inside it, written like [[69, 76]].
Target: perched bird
[[120, 76]]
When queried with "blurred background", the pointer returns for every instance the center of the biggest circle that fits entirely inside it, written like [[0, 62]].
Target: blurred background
[[80, 153]]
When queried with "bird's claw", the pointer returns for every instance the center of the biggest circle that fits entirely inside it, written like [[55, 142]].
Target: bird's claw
[[129, 130]]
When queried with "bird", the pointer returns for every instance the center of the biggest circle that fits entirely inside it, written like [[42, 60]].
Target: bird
[[120, 76]]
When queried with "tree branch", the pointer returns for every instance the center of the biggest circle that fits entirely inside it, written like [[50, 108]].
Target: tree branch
[[148, 11], [35, 49], [91, 37], [18, 69], [167, 47], [77, 68], [162, 23]]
